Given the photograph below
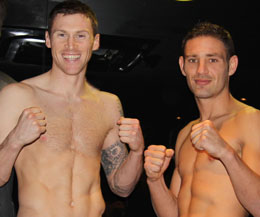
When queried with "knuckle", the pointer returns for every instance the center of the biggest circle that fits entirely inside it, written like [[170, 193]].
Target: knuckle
[[146, 165], [26, 112], [137, 122], [150, 147], [204, 132]]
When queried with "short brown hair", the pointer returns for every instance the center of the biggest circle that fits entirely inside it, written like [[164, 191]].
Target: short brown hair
[[209, 29], [73, 7]]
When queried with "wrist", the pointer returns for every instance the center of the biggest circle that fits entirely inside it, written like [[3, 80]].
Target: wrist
[[154, 180], [11, 142], [138, 151], [228, 154]]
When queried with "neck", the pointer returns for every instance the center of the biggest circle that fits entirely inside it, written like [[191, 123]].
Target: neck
[[70, 86], [214, 107]]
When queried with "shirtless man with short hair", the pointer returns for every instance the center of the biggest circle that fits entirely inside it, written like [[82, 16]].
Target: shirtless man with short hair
[[57, 129], [217, 163]]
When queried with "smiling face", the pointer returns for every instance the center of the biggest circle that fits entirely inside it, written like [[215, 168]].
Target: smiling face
[[71, 42], [206, 67]]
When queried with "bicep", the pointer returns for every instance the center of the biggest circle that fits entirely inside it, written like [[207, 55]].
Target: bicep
[[175, 183], [176, 178], [114, 151], [251, 153], [251, 147], [8, 116]]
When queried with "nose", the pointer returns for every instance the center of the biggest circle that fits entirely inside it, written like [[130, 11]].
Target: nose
[[202, 67], [70, 43]]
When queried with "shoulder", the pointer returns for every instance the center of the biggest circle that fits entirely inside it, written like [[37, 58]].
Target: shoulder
[[111, 101], [25, 88], [110, 104], [15, 97], [15, 90], [247, 123], [103, 95], [248, 115], [108, 97]]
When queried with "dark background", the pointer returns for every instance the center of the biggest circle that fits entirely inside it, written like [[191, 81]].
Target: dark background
[[138, 61]]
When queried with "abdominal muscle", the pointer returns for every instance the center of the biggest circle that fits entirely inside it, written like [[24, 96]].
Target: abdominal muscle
[[58, 183], [207, 194]]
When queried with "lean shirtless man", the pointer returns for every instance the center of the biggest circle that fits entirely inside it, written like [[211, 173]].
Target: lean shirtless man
[[56, 129], [217, 163]]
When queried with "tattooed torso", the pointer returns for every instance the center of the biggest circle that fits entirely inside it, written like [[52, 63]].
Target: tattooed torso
[[59, 174]]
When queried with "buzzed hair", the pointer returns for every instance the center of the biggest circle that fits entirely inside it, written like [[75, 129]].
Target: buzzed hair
[[69, 7], [213, 30]]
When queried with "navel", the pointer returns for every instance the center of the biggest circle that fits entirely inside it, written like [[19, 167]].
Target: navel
[[72, 204]]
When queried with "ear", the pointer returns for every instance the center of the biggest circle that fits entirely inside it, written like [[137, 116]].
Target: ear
[[233, 63], [96, 42], [181, 64], [47, 39]]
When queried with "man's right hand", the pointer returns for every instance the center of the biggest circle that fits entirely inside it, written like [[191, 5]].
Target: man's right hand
[[31, 124], [157, 159]]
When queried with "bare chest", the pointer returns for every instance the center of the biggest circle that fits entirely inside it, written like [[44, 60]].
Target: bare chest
[[79, 126], [193, 162]]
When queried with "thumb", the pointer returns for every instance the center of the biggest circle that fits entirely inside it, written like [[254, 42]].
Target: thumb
[[169, 154], [120, 120]]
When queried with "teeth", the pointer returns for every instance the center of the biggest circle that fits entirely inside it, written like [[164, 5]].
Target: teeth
[[71, 57]]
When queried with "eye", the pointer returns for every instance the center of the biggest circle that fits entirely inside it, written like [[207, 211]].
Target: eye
[[82, 36], [213, 60], [192, 60], [61, 35]]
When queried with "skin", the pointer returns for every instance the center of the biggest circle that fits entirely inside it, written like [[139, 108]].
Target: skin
[[57, 130], [216, 156]]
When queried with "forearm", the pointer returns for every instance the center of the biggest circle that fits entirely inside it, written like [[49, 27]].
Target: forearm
[[8, 154], [246, 182], [163, 201], [128, 174]]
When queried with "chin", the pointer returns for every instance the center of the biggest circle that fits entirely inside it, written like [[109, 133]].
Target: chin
[[202, 94], [73, 71]]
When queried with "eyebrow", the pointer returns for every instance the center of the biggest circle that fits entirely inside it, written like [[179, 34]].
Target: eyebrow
[[64, 31], [207, 55]]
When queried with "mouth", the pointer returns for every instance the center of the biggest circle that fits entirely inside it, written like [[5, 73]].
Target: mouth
[[71, 57], [202, 82]]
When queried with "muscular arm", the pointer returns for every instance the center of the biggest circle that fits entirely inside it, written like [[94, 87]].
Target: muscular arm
[[8, 154], [16, 130], [123, 169], [245, 181], [8, 149], [163, 199], [157, 159], [244, 171]]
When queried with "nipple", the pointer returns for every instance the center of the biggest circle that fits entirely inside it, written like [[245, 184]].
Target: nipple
[[211, 158], [43, 138]]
